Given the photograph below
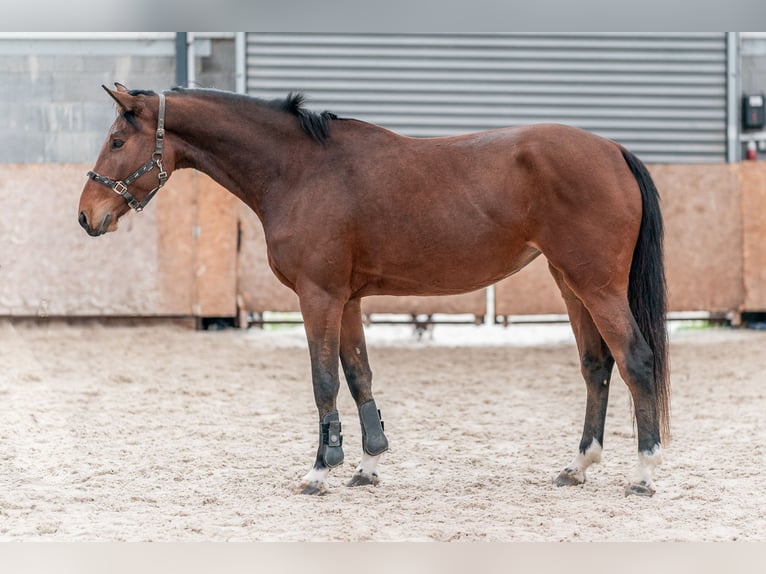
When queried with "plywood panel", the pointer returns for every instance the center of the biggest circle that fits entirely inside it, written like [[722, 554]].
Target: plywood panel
[[215, 233], [49, 266], [531, 291], [474, 303], [703, 236], [152, 266], [175, 209], [753, 187]]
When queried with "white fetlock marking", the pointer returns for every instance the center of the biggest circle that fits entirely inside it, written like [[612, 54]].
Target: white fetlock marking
[[369, 464], [316, 475], [592, 454], [582, 461], [647, 462]]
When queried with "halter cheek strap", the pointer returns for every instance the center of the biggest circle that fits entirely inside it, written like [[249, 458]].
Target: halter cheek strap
[[120, 187]]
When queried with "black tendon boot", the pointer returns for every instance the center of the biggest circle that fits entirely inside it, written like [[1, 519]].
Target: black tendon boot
[[331, 440], [374, 442]]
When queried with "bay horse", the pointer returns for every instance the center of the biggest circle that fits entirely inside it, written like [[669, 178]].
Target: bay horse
[[350, 209]]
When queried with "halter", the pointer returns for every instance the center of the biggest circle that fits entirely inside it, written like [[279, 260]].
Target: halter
[[120, 187]]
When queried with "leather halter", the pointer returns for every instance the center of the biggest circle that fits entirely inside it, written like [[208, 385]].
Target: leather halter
[[120, 187]]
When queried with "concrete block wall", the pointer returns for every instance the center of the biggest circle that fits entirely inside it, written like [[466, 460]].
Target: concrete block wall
[[54, 110]]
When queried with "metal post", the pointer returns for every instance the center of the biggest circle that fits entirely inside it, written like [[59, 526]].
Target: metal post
[[240, 63], [182, 68], [733, 151], [489, 318], [191, 60]]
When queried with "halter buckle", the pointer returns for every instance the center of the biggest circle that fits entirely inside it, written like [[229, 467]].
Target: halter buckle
[[163, 175], [119, 188]]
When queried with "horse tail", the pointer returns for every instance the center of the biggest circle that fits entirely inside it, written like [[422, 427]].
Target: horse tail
[[647, 290]]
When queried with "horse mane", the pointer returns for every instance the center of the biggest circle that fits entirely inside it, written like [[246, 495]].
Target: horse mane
[[315, 124]]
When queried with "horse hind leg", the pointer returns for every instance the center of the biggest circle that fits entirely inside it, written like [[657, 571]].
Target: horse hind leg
[[596, 363], [635, 360], [356, 367], [612, 316]]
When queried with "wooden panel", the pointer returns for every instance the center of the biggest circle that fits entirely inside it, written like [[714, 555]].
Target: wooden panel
[[531, 291], [49, 266], [470, 303], [215, 268], [703, 236], [753, 187], [178, 257], [176, 211]]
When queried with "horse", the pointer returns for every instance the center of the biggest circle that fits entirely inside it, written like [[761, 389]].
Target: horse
[[350, 209]]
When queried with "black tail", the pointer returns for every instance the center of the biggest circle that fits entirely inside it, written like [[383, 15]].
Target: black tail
[[647, 291]]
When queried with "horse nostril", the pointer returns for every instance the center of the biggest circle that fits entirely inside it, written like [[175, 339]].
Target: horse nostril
[[83, 219]]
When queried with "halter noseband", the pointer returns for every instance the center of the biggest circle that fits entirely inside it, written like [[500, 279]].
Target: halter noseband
[[120, 187]]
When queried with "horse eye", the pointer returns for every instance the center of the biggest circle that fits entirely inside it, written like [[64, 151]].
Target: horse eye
[[117, 144]]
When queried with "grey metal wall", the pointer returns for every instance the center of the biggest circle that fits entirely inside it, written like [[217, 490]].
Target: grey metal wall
[[661, 94]]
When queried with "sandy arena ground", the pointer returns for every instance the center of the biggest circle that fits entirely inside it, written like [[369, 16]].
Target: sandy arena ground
[[161, 433]]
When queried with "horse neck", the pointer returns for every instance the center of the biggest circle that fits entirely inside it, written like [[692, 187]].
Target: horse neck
[[243, 145]]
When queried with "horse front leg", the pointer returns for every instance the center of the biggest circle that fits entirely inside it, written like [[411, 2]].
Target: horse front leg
[[322, 316], [356, 367]]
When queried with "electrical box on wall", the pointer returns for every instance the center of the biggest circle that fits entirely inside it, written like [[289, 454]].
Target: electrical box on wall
[[753, 112]]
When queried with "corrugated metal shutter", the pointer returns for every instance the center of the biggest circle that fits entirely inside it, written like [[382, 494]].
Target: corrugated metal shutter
[[662, 95]]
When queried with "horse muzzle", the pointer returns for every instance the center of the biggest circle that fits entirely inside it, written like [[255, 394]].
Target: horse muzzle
[[102, 227]]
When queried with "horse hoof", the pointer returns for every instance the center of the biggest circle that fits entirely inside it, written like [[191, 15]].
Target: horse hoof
[[313, 487], [642, 488], [363, 479], [570, 477]]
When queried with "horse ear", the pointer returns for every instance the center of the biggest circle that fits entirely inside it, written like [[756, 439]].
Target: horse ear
[[125, 101]]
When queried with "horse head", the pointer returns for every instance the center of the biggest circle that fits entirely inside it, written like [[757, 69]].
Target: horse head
[[133, 164]]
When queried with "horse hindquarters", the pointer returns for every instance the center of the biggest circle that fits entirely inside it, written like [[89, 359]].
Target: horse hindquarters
[[630, 317]]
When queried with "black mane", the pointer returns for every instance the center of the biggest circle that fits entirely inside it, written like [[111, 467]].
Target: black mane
[[317, 125]]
